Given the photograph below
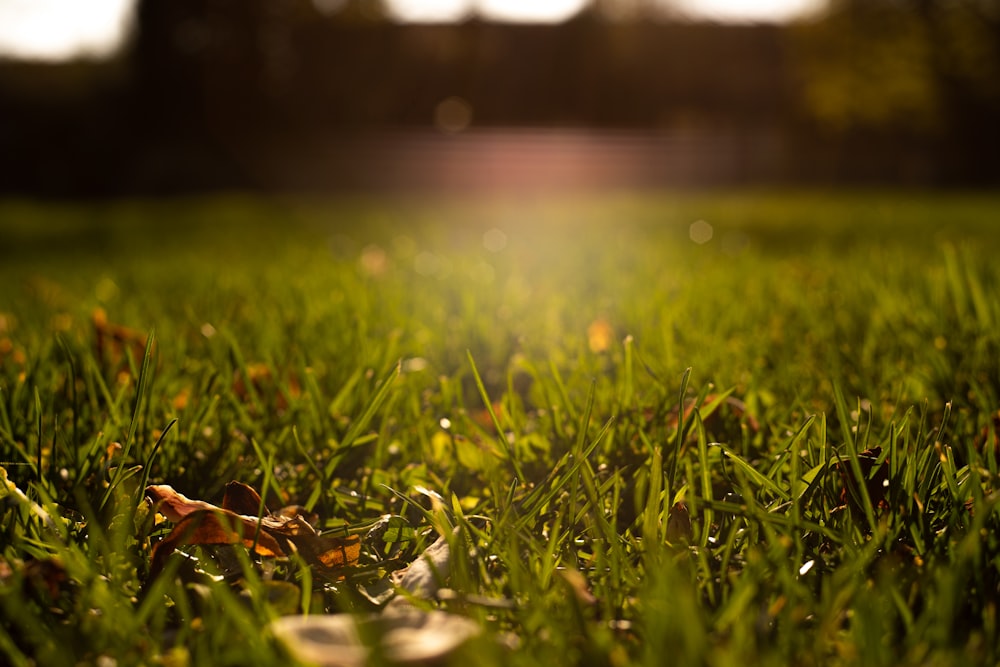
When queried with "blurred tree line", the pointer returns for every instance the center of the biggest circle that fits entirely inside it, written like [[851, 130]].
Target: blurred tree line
[[874, 91], [908, 72]]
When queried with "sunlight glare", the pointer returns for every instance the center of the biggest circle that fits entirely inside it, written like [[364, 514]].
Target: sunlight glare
[[554, 11], [518, 11], [63, 29], [530, 11], [427, 11], [748, 10]]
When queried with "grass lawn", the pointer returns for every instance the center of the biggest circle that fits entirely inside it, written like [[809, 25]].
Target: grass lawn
[[719, 429]]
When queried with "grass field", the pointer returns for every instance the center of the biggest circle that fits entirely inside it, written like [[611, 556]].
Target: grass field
[[776, 446]]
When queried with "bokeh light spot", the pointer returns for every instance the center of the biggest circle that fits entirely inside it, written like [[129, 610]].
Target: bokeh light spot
[[700, 232], [600, 335], [329, 6], [373, 260], [495, 240], [106, 290], [431, 265], [452, 115], [415, 365]]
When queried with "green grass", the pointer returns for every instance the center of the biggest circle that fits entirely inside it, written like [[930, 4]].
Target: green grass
[[396, 355]]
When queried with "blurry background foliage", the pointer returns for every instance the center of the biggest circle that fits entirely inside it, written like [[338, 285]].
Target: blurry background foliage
[[927, 66], [309, 95]]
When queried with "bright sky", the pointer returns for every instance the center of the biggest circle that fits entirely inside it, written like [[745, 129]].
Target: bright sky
[[502, 10], [748, 10], [61, 29], [560, 10]]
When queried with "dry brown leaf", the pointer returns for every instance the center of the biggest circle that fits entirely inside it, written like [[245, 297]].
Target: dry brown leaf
[[172, 504], [242, 499], [235, 522], [205, 527], [876, 482]]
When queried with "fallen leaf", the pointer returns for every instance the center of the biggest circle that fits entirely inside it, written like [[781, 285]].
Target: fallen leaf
[[341, 640], [204, 527], [876, 482], [292, 511], [242, 499], [174, 505], [423, 577], [197, 522]]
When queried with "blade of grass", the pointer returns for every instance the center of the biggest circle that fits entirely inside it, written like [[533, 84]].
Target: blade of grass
[[501, 437], [566, 404], [652, 523], [236, 357], [339, 402], [318, 489], [133, 423], [981, 304], [353, 434], [577, 450], [5, 426], [543, 494], [267, 462], [793, 447], [857, 486], [706, 477], [678, 439], [959, 296], [759, 480], [844, 417], [148, 463], [626, 399], [90, 458], [74, 398], [38, 435]]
